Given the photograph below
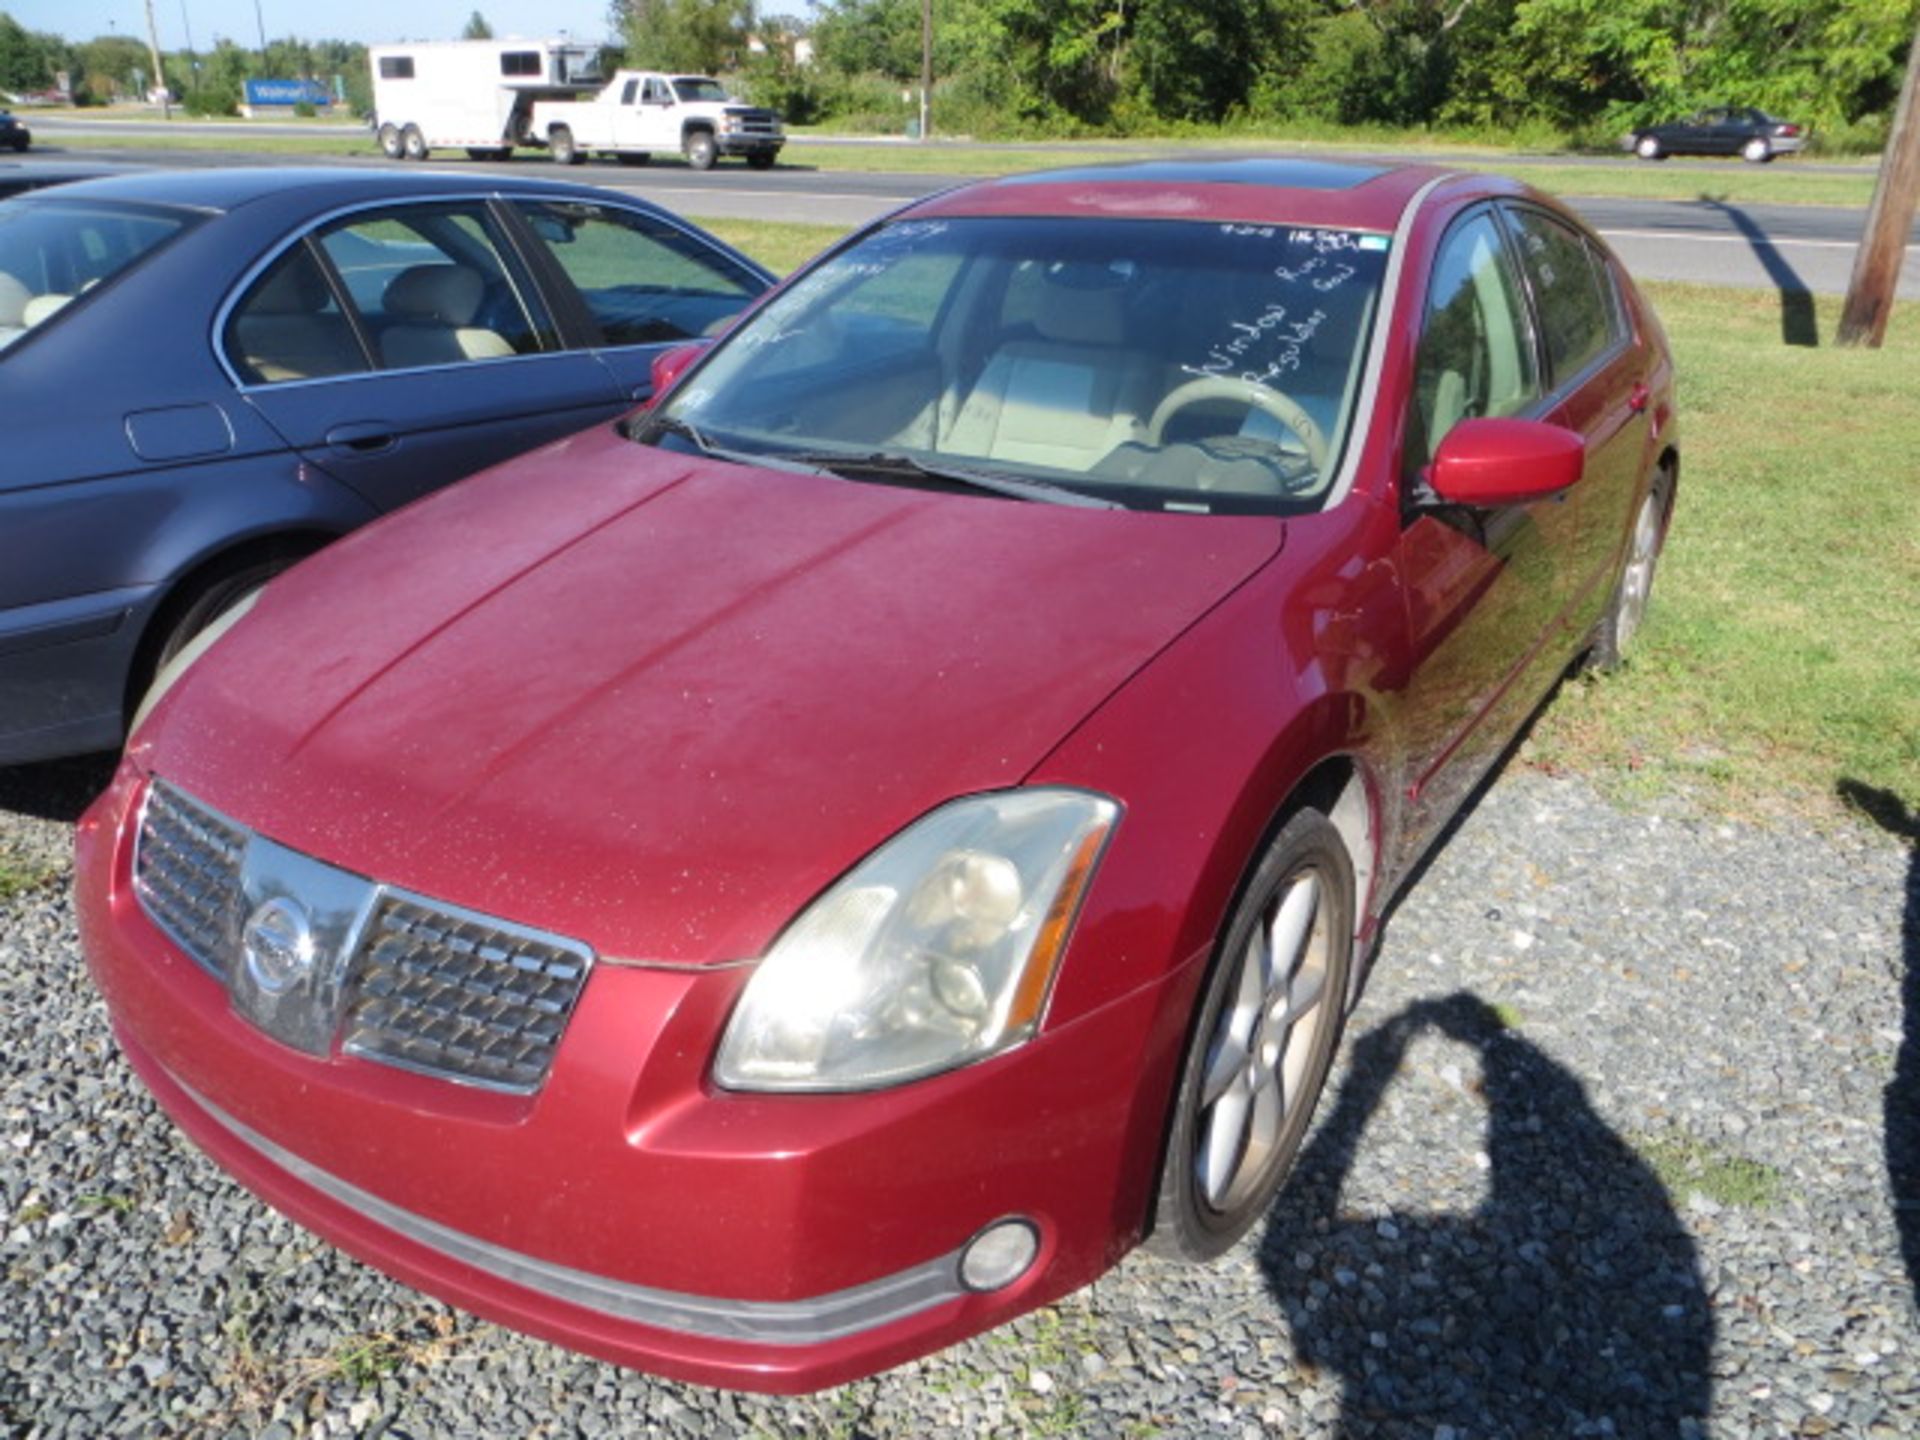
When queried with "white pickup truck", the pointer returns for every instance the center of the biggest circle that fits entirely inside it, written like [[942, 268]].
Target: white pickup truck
[[643, 111]]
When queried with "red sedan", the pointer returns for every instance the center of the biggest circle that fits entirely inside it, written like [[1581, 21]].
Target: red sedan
[[767, 890]]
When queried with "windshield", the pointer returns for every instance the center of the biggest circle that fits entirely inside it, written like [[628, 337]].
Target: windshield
[[1165, 365], [51, 252], [698, 87]]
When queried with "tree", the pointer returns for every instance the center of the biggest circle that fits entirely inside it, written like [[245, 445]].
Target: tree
[[28, 59], [477, 28], [695, 36]]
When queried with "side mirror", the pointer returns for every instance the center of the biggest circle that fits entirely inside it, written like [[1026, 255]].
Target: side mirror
[[1505, 462], [670, 365]]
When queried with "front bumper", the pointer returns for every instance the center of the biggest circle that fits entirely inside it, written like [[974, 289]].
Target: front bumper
[[629, 1210]]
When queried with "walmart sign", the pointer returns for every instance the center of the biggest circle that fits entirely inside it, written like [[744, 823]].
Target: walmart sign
[[288, 93]]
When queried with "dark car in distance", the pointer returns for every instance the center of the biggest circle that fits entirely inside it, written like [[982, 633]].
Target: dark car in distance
[[1753, 135], [12, 133], [207, 376]]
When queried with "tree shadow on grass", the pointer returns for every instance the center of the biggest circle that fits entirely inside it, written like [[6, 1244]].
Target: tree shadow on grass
[[1569, 1303]]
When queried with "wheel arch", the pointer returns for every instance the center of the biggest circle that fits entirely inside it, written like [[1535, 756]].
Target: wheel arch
[[192, 580]]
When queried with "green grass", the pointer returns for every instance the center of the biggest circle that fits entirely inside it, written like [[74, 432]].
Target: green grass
[[1685, 1163], [1778, 663], [18, 877]]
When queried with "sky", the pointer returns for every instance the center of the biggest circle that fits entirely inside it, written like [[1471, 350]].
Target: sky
[[374, 22]]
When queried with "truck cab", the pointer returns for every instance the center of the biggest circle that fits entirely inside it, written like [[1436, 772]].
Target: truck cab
[[641, 112]]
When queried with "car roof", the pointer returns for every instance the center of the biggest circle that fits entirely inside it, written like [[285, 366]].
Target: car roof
[[323, 185], [1244, 189]]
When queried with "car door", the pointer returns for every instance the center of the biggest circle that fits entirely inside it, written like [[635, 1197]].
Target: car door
[[635, 281], [654, 118], [629, 119], [1484, 586], [402, 347], [1597, 387]]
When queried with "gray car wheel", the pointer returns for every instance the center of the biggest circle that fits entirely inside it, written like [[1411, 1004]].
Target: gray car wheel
[[1648, 148], [560, 144], [413, 144], [389, 137], [700, 149], [1613, 637], [1756, 151], [1269, 1019]]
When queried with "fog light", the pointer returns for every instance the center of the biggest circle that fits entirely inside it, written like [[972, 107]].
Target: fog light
[[999, 1255]]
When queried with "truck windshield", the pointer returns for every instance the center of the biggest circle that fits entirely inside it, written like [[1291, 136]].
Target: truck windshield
[[698, 87]]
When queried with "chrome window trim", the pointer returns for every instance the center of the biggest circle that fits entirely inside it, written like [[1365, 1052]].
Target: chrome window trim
[[813, 1321], [1384, 323], [223, 313]]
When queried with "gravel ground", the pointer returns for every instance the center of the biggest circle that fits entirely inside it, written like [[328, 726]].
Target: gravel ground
[[1606, 1155]]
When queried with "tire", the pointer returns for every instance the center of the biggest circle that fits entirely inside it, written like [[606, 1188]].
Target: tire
[[762, 159], [1225, 1161], [413, 144], [191, 618], [1756, 151], [389, 136], [700, 149], [1613, 636], [19, 143], [1648, 148], [634, 157], [560, 144]]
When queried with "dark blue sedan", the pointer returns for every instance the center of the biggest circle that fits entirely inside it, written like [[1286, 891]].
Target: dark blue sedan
[[206, 375]]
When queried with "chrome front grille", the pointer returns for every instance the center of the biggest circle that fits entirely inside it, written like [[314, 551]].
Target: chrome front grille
[[460, 994], [186, 871], [424, 985]]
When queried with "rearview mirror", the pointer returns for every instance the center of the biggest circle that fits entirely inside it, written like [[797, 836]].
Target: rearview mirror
[[1505, 462]]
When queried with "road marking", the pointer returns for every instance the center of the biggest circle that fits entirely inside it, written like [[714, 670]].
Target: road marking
[[1729, 239]]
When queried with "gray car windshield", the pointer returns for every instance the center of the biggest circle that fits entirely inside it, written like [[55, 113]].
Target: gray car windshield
[[52, 252], [1166, 365]]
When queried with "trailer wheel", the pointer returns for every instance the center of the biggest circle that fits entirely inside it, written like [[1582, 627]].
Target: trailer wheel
[[389, 136], [560, 142], [413, 144], [700, 150]]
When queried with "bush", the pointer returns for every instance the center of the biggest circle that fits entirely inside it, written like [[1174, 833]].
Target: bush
[[304, 109], [212, 99]]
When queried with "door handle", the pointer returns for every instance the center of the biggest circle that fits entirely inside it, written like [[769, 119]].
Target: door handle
[[362, 437], [1639, 397]]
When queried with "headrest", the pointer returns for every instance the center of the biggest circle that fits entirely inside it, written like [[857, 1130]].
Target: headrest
[[13, 300], [42, 307], [296, 288], [1081, 305], [439, 294]]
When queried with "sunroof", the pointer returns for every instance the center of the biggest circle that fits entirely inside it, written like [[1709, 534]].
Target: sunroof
[[1255, 170]]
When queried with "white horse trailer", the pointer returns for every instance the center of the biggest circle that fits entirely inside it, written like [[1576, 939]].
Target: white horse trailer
[[473, 95]]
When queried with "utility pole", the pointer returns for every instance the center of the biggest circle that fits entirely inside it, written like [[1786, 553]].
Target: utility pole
[[926, 64], [260, 24], [1876, 265], [159, 71]]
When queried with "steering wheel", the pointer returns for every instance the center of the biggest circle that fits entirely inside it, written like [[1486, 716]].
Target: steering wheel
[[1283, 408]]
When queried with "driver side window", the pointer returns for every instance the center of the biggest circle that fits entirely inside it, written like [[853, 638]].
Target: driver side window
[[1476, 356]]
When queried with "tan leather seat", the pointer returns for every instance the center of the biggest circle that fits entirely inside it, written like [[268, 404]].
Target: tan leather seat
[[286, 332], [433, 308], [1064, 397], [41, 307]]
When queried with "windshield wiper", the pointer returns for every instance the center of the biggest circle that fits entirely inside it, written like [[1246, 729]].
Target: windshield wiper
[[896, 465], [649, 429]]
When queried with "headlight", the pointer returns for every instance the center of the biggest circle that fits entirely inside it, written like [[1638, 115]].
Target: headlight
[[937, 949]]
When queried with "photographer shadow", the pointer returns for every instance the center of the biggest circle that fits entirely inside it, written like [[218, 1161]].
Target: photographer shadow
[[1568, 1303]]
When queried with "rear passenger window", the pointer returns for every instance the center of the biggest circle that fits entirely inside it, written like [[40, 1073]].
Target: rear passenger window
[[290, 326], [1572, 291]]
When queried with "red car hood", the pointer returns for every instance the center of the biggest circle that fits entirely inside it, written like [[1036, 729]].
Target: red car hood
[[658, 703]]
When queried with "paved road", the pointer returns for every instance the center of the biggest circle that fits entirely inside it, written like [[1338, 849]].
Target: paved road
[[1787, 247]]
